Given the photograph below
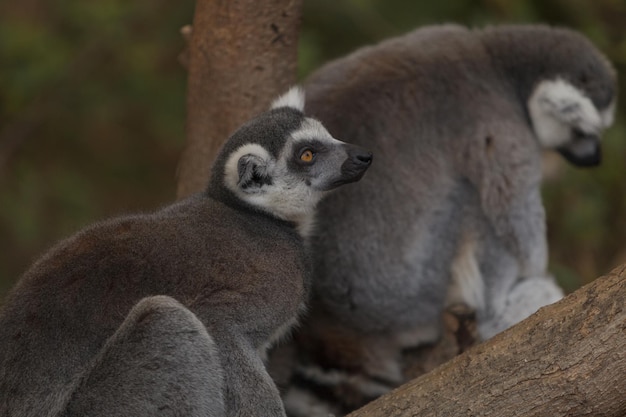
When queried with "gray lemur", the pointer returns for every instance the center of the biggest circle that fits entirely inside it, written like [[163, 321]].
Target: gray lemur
[[170, 313], [452, 210]]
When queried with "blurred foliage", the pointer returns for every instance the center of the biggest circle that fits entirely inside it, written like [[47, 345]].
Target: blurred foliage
[[92, 108]]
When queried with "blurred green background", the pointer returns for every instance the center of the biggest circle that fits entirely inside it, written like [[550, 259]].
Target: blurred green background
[[92, 108]]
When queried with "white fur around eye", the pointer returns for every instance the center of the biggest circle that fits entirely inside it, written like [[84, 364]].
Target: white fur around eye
[[312, 128]]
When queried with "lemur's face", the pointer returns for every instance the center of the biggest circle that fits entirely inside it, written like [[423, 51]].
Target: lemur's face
[[290, 183], [321, 162], [565, 119]]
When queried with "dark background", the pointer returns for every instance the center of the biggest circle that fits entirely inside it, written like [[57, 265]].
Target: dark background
[[92, 109]]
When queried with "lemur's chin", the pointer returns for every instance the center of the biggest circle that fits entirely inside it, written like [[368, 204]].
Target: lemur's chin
[[585, 152]]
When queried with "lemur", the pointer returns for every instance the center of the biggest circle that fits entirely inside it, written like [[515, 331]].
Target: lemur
[[458, 120], [171, 312]]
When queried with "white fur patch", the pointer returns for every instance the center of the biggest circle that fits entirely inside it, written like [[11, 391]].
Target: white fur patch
[[524, 298], [287, 198], [293, 98], [313, 129], [231, 171], [556, 107], [608, 115], [467, 284], [306, 225]]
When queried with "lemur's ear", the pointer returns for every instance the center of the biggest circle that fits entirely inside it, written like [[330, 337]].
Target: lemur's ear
[[253, 173], [293, 98]]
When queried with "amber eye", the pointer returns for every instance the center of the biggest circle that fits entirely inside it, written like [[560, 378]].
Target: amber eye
[[306, 156]]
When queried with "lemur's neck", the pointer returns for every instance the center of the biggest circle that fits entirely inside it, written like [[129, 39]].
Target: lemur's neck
[[227, 197]]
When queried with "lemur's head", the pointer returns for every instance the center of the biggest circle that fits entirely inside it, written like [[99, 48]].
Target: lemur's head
[[566, 119], [574, 95], [569, 86], [283, 163]]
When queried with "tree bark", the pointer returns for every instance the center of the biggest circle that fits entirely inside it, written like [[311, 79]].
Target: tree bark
[[243, 53], [568, 359]]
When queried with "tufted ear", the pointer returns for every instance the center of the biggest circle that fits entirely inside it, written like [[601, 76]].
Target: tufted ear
[[293, 98], [253, 172]]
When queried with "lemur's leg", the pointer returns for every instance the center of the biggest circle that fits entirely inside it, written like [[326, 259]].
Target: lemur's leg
[[250, 391], [526, 296], [160, 361]]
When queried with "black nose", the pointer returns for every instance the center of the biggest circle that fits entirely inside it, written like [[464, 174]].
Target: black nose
[[583, 151], [356, 164], [359, 157], [363, 157]]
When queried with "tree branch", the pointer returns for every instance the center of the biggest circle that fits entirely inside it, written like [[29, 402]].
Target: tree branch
[[568, 359]]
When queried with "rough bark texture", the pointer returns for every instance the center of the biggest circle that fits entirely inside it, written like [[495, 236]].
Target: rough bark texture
[[568, 359], [243, 53]]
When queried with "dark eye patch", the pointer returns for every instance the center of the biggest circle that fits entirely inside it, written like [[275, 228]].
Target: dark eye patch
[[316, 146]]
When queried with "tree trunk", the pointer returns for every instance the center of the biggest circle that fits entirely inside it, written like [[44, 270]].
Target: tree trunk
[[568, 359], [243, 53]]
